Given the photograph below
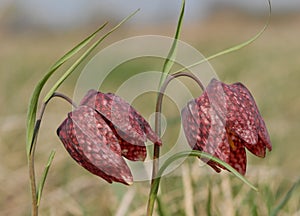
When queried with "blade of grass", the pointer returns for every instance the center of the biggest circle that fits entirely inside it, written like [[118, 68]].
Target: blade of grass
[[234, 48], [194, 153], [83, 57], [285, 199], [269, 198], [209, 200], [44, 176], [155, 183], [210, 157], [161, 209], [32, 109], [169, 62]]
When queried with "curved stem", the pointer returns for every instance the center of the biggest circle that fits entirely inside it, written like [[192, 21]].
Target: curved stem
[[32, 151], [158, 110], [60, 95]]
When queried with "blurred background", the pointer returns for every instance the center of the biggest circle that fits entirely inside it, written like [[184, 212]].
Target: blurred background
[[34, 34]]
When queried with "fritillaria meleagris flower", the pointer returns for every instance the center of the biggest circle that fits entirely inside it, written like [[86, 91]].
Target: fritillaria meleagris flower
[[101, 130], [224, 121]]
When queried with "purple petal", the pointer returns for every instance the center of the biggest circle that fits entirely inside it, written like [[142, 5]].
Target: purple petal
[[264, 135], [237, 159], [259, 123], [136, 152], [132, 147], [259, 149], [204, 129], [133, 152], [130, 125], [90, 141], [191, 126], [235, 109]]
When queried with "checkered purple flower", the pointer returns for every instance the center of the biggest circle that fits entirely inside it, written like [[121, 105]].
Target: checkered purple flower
[[101, 131], [224, 121]]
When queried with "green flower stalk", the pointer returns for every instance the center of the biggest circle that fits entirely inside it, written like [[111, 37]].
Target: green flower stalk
[[104, 129]]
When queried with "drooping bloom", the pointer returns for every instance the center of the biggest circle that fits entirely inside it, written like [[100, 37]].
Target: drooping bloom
[[224, 121], [101, 130]]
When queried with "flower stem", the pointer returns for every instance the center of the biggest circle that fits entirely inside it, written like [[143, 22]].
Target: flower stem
[[153, 193], [31, 168], [57, 94]]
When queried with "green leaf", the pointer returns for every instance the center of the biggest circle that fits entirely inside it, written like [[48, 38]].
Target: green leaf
[[207, 156], [169, 62], [209, 201], [161, 209], [285, 199], [44, 176], [193, 153], [83, 57], [234, 48], [31, 114]]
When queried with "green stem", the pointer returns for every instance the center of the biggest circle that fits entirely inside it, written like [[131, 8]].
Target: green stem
[[31, 161], [158, 111], [32, 177], [34, 205]]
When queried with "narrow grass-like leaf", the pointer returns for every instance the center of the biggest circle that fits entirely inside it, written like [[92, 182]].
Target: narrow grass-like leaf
[[252, 203], [44, 176], [234, 48], [254, 210], [83, 57], [193, 153], [285, 199], [269, 200], [161, 210], [209, 201], [169, 62], [31, 114]]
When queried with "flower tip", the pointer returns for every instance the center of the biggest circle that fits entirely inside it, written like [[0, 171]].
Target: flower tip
[[127, 180], [269, 146], [158, 142], [129, 183]]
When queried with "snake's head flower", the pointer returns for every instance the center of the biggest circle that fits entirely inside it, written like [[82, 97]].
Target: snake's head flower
[[101, 130], [224, 121]]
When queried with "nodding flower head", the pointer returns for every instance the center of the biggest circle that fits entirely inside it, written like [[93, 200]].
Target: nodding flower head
[[224, 121], [101, 130]]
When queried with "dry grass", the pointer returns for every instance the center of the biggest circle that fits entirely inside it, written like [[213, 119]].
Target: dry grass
[[269, 67]]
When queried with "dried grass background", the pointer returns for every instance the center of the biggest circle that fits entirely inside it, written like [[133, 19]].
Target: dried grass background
[[270, 68]]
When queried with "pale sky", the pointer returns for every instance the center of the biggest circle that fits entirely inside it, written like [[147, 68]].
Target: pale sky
[[58, 13]]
